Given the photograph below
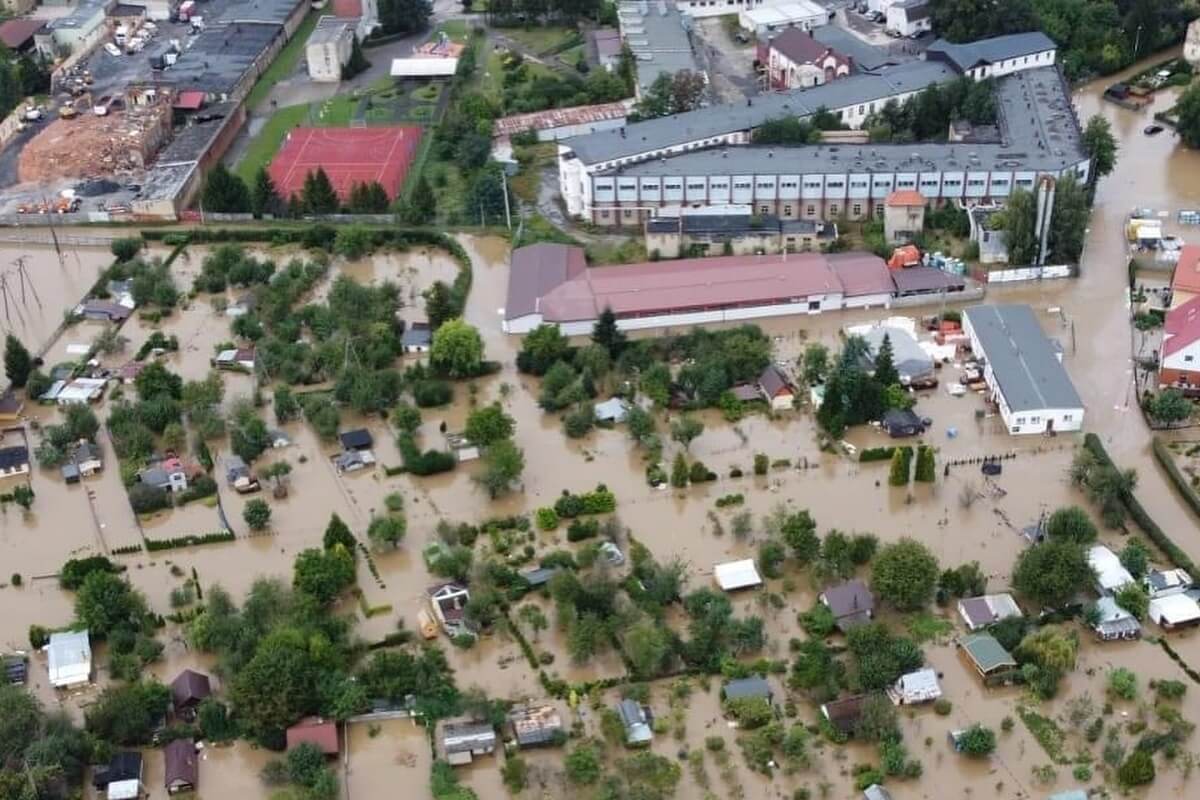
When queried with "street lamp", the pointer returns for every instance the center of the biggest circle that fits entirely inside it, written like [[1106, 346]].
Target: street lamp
[[1137, 40]]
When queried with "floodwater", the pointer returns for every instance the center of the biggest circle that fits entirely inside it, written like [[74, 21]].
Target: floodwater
[[1091, 321], [48, 285]]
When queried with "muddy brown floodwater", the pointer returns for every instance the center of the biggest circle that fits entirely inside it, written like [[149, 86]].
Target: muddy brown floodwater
[[1091, 320]]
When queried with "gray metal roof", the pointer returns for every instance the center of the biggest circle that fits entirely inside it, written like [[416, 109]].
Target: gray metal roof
[[654, 134], [747, 687], [657, 34], [1021, 358], [866, 56], [221, 55], [989, 51]]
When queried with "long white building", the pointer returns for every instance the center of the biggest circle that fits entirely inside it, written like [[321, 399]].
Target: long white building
[[619, 177]]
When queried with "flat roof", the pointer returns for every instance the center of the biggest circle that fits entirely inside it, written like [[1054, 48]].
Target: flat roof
[[784, 13], [1174, 609], [737, 574], [1022, 359], [424, 67], [657, 35], [16, 32], [221, 55], [662, 132], [330, 29]]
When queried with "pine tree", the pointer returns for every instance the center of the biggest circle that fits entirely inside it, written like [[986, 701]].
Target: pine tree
[[263, 199], [357, 62], [17, 361], [422, 205], [376, 198], [885, 365], [606, 333], [225, 192], [319, 195]]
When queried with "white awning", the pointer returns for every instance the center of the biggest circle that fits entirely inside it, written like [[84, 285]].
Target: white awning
[[424, 67], [737, 575]]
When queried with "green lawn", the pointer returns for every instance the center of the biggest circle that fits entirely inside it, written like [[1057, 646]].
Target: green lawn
[[264, 146], [284, 63], [541, 40]]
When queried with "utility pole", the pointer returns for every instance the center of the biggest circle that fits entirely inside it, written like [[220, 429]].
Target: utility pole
[[507, 210]]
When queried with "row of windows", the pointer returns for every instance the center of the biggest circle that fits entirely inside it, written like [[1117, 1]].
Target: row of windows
[[948, 183]]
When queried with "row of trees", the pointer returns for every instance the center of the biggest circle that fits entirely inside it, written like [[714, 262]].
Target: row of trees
[[927, 115], [226, 192], [1068, 222]]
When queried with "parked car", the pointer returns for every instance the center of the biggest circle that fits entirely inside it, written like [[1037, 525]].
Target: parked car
[[112, 49], [1152, 130]]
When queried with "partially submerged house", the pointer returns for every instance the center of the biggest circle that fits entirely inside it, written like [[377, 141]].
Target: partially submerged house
[[238, 475], [1114, 622], [103, 311], [876, 792], [14, 461], [539, 577], [747, 687], [317, 731], [1111, 575], [462, 742], [69, 659], [844, 714], [1175, 611], [912, 363], [357, 439], [121, 778], [902, 422], [447, 601], [536, 726], [614, 410], [188, 690], [734, 575], [79, 391], [851, 603], [988, 609], [636, 721], [353, 460], [1164, 582], [776, 389], [85, 459], [11, 406], [181, 767], [921, 686], [238, 360], [988, 657], [417, 338], [462, 447], [14, 669], [167, 473]]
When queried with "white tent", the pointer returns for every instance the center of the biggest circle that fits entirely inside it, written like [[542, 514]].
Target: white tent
[[424, 67], [69, 659], [737, 575]]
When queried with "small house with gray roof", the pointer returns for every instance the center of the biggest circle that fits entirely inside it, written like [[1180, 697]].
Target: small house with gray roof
[[987, 657], [851, 603]]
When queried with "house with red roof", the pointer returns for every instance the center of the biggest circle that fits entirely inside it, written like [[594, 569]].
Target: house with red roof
[[903, 215], [1185, 283], [795, 60], [1179, 357]]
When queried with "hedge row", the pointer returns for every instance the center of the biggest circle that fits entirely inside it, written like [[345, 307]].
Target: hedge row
[[601, 501], [876, 454], [1164, 456], [154, 545], [1156, 534]]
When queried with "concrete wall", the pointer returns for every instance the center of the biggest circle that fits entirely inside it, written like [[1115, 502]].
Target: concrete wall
[[1028, 273]]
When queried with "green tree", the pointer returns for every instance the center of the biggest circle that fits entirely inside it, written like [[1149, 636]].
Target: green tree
[[324, 574], [977, 741], [672, 93], [387, 531], [1071, 523], [542, 347], [606, 333], [457, 349], [224, 192], [17, 361], [488, 425], [905, 574], [814, 363], [1050, 647], [105, 603], [128, 715], [503, 463], [1137, 769], [257, 514], [685, 429], [440, 305], [885, 363], [1135, 557], [1133, 598], [533, 618], [406, 417], [287, 407], [1187, 111], [157, 381], [1019, 221], [583, 765], [318, 195], [1170, 406], [484, 198], [422, 204], [799, 532], [337, 532], [679, 471], [1068, 221], [1101, 146], [646, 645], [20, 721], [264, 199], [126, 248], [1052, 572]]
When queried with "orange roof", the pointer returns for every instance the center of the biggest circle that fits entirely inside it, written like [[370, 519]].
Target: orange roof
[[1187, 270], [905, 197], [314, 730]]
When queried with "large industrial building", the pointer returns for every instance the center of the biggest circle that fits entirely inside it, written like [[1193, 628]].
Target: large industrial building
[[625, 176]]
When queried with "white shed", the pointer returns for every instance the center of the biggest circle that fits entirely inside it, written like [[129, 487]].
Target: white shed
[[69, 657], [733, 575], [1111, 575], [916, 687]]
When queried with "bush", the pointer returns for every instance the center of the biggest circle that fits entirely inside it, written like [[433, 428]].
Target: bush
[[1170, 689], [600, 501], [750, 712], [581, 529], [1122, 683], [146, 499], [761, 463], [547, 519], [430, 393], [1137, 770], [875, 454], [942, 707], [73, 572], [191, 540], [126, 248], [977, 741]]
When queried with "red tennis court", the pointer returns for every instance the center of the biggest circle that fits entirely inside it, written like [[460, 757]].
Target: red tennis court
[[348, 156]]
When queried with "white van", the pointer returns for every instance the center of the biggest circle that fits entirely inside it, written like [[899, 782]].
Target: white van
[[112, 49]]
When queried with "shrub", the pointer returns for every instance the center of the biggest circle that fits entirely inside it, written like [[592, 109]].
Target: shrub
[[977, 741], [581, 529], [875, 454], [942, 707], [430, 392], [1137, 769], [547, 519], [761, 463], [600, 501], [1170, 689], [750, 712], [1122, 683]]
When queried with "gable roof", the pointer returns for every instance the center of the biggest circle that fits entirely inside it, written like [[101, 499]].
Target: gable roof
[[180, 763], [314, 730], [1182, 326], [189, 687], [746, 687], [800, 47], [987, 653], [11, 403], [356, 439], [851, 601], [1187, 270], [844, 714], [772, 381], [987, 609], [535, 724], [989, 51], [865, 56], [1023, 362], [416, 334], [14, 33], [905, 197], [536, 269], [861, 273], [69, 658]]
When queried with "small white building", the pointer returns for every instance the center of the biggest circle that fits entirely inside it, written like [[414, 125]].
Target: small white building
[[921, 686], [734, 575], [1023, 370], [1111, 575], [909, 17], [329, 47], [69, 659], [1175, 611], [1165, 582], [417, 67], [802, 14]]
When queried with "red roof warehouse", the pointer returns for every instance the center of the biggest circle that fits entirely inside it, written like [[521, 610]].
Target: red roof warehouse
[[348, 156]]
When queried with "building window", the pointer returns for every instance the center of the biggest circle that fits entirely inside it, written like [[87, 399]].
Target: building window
[[833, 208], [1187, 358], [1068, 417], [764, 209], [787, 211], [696, 186], [810, 211], [1020, 420], [1034, 420], [857, 209], [604, 214], [628, 213]]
